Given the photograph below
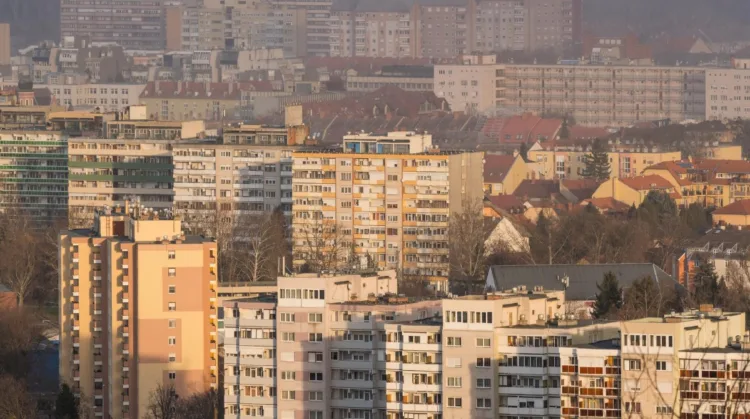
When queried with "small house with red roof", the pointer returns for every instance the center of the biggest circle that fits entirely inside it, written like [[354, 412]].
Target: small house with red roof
[[503, 173], [735, 214], [633, 190]]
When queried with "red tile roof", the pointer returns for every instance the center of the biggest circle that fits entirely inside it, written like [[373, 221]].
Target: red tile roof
[[607, 204], [581, 132], [735, 208], [198, 90], [522, 128], [505, 202], [537, 189], [672, 166], [496, 166], [648, 182], [723, 166], [391, 98], [581, 188]]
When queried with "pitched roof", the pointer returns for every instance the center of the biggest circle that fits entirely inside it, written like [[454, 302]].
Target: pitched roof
[[496, 166], [723, 166], [581, 188], [505, 202], [539, 188], [607, 205], [741, 207], [647, 182], [525, 128], [398, 102], [582, 279], [582, 132]]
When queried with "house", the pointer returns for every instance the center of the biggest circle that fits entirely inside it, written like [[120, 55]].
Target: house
[[633, 190], [607, 206], [507, 233], [503, 173], [579, 282], [735, 214], [726, 248], [577, 190]]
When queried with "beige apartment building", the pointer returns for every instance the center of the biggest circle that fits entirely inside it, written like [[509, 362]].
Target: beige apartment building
[[390, 209], [466, 86], [104, 97], [593, 95], [137, 310], [727, 94], [569, 162], [362, 29], [133, 24]]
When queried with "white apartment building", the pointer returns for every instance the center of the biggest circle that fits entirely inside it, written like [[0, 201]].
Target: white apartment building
[[89, 96], [592, 95], [727, 93], [372, 32], [467, 87]]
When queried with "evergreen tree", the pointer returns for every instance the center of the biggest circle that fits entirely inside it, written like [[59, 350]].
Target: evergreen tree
[[706, 283], [564, 131], [609, 297], [597, 162], [66, 405], [524, 151]]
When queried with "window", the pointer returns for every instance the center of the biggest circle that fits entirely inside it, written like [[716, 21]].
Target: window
[[287, 317], [484, 403], [172, 375], [315, 414], [316, 337], [288, 375], [484, 362], [172, 341], [454, 381], [172, 357], [454, 402], [315, 396], [315, 357], [288, 395], [316, 376], [315, 318], [287, 337], [633, 407], [454, 341], [172, 271], [633, 364], [170, 254], [172, 323], [483, 342], [661, 365], [484, 382], [172, 306], [663, 410], [172, 289]]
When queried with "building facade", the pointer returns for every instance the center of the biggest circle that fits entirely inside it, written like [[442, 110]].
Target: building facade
[[133, 24], [104, 97], [137, 310], [727, 94], [391, 210], [372, 31], [34, 174]]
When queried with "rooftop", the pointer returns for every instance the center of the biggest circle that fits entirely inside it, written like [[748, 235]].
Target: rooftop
[[741, 207], [496, 166]]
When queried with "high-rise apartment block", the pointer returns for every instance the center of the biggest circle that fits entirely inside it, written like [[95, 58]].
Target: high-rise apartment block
[[137, 310], [34, 174], [376, 204], [592, 95], [133, 24], [320, 349], [365, 29], [727, 93]]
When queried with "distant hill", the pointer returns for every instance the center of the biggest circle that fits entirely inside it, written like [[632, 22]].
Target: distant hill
[[31, 21], [721, 20]]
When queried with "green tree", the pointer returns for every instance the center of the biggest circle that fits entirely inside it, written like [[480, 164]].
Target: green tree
[[696, 217], [657, 207], [706, 283], [66, 405], [644, 298], [596, 163], [609, 297]]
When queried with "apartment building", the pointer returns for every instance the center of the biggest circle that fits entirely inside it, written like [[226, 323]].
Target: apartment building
[[390, 209], [249, 172], [407, 78], [133, 159], [104, 97], [727, 93], [552, 161], [364, 29], [34, 174], [443, 28], [316, 14], [593, 95], [708, 182], [133, 24], [466, 86], [137, 310], [202, 29], [5, 50]]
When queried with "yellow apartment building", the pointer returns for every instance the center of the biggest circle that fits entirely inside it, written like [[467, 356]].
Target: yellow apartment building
[[392, 210], [137, 309], [568, 162]]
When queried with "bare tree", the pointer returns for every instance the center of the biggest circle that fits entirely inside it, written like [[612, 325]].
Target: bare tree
[[163, 403], [20, 256], [15, 403], [20, 332], [199, 406], [322, 244], [468, 234]]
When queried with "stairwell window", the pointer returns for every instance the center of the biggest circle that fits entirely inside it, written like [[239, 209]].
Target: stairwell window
[[172, 272]]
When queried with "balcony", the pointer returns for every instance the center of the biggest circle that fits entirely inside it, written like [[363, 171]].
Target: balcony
[[76, 375], [75, 307], [76, 342], [125, 382], [125, 313], [76, 358], [125, 349], [98, 376], [125, 331]]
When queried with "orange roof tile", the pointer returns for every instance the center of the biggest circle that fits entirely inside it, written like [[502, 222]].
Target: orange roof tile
[[505, 202], [735, 208], [607, 204], [642, 183], [723, 166], [528, 128]]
